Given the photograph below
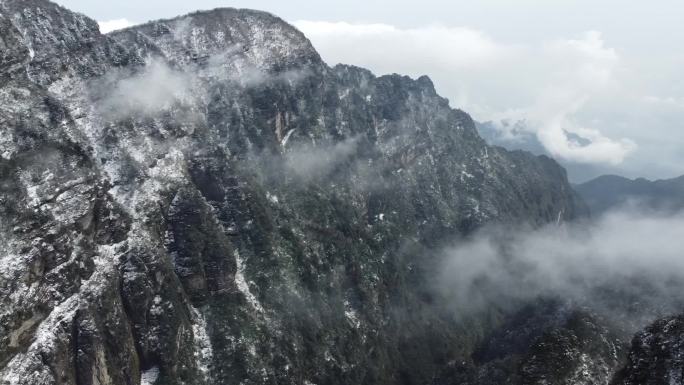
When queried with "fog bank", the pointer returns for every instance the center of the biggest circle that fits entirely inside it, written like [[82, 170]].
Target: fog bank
[[626, 264]]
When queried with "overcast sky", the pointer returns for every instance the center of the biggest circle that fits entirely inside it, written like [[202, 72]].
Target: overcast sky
[[607, 71]]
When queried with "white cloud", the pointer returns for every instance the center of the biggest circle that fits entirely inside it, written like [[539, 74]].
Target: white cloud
[[578, 70], [668, 101], [627, 251], [386, 48], [113, 25], [307, 161], [154, 89], [546, 84]]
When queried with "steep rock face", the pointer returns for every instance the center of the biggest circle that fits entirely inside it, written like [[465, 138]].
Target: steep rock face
[[544, 343], [656, 356], [202, 200]]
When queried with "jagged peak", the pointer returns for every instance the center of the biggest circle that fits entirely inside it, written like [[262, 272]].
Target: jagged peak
[[266, 37], [24, 10], [50, 35]]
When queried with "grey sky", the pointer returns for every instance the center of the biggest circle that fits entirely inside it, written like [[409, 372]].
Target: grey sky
[[608, 70], [630, 22]]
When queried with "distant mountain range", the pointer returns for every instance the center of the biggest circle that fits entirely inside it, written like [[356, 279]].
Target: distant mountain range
[[612, 191]]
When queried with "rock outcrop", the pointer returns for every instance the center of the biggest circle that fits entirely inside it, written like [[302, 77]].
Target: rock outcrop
[[656, 356]]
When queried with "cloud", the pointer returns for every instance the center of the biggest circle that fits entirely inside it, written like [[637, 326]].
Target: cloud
[[581, 68], [547, 84], [155, 88], [668, 101], [382, 46], [113, 25], [309, 162], [627, 252]]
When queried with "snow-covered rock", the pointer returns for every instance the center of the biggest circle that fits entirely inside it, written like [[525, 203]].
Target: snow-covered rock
[[206, 188]]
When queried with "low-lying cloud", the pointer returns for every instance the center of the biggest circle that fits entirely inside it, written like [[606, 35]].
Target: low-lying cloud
[[624, 260], [155, 88], [315, 161]]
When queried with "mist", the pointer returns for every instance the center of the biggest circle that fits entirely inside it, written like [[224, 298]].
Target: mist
[[156, 88], [626, 265], [312, 162]]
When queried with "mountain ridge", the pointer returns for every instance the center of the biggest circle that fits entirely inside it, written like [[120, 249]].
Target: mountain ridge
[[611, 192], [198, 201]]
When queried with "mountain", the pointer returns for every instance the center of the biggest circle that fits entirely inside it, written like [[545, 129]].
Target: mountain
[[611, 191], [203, 200], [517, 136], [657, 355]]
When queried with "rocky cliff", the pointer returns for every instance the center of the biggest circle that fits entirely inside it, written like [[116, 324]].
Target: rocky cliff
[[204, 201], [657, 355]]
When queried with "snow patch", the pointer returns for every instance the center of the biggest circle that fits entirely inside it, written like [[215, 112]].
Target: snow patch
[[203, 349], [560, 218], [149, 376], [272, 198], [156, 308], [20, 369], [287, 137], [351, 315], [243, 286]]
